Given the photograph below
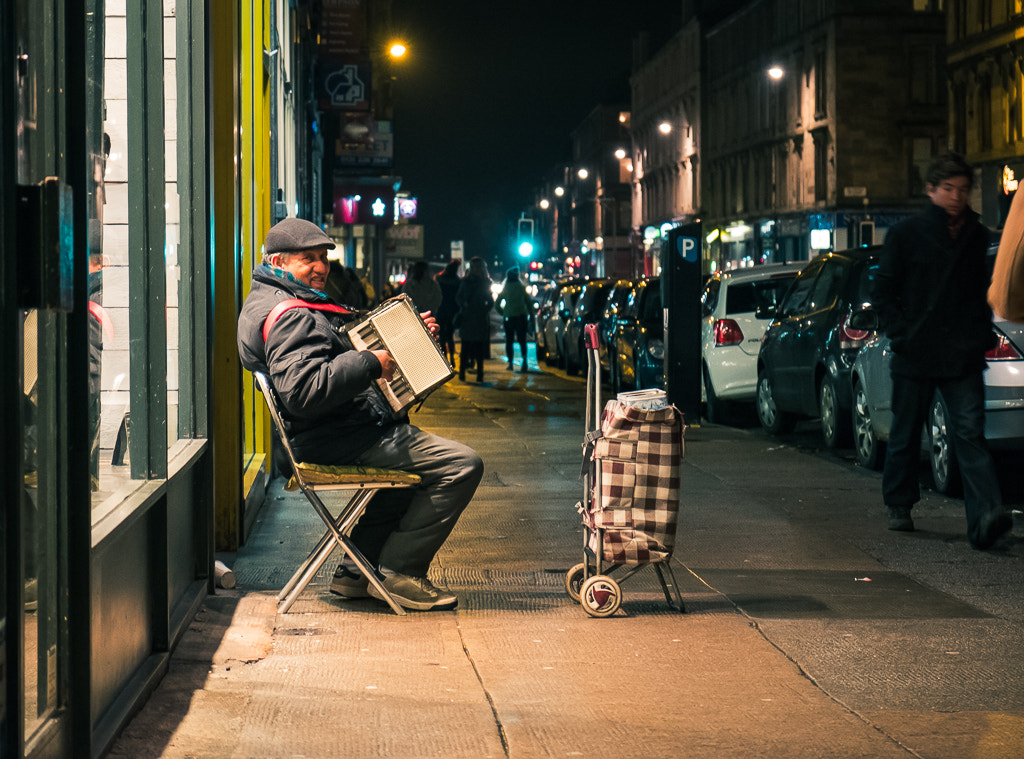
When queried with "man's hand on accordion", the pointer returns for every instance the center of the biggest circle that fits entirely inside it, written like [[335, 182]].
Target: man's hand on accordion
[[387, 365], [431, 323]]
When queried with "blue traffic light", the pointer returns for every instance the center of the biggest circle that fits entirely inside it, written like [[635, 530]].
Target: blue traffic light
[[526, 248]]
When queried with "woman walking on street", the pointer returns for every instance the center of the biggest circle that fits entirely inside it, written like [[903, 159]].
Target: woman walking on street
[[516, 306], [473, 320]]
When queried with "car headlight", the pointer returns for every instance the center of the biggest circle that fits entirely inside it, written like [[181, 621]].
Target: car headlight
[[656, 349]]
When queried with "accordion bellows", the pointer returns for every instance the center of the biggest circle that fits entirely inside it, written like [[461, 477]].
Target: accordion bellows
[[636, 504]]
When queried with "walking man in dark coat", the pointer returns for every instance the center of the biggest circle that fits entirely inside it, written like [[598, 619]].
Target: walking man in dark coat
[[930, 293]]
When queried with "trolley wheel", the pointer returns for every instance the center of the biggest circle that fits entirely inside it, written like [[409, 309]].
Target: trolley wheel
[[574, 580], [600, 596]]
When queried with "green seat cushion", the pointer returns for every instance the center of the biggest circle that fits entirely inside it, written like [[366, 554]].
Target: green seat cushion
[[323, 474]]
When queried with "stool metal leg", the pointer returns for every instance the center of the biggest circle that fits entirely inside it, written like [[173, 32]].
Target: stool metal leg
[[348, 515], [337, 537]]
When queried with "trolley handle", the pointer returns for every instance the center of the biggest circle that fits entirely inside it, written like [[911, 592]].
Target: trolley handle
[[590, 337]]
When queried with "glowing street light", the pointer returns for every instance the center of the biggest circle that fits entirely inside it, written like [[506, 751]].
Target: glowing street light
[[544, 203], [397, 49], [776, 72], [665, 128], [583, 173], [559, 191], [620, 153]]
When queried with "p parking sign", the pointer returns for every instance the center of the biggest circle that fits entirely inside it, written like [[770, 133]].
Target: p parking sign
[[689, 248]]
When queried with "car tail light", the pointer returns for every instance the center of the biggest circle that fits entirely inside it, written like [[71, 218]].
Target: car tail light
[[1004, 351], [727, 332], [850, 337]]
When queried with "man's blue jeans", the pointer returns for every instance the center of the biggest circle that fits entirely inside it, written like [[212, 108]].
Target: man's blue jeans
[[403, 529], [965, 399]]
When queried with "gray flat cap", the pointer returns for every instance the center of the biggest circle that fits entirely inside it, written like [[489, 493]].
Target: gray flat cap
[[293, 235]]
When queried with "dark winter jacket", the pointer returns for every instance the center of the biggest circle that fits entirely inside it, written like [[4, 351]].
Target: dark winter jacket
[[332, 409], [930, 293], [475, 304]]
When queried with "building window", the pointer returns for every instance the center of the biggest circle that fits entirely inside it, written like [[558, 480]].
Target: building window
[[821, 165], [921, 156], [820, 85], [926, 75]]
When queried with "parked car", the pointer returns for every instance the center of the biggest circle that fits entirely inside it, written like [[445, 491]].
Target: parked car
[[586, 311], [614, 308], [554, 326], [803, 366], [731, 331], [546, 305], [637, 343]]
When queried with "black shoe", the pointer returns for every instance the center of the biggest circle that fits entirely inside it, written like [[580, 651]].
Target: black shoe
[[899, 519], [349, 585], [997, 528], [416, 593]]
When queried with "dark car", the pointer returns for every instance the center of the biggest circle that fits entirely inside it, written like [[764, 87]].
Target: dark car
[[614, 308], [807, 352], [637, 344], [587, 311]]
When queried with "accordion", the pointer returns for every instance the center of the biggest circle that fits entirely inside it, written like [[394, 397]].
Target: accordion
[[421, 367]]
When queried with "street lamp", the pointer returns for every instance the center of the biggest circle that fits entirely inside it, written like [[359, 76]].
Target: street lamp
[[776, 72], [397, 49]]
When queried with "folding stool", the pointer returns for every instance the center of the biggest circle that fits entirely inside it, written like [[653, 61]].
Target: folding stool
[[309, 478]]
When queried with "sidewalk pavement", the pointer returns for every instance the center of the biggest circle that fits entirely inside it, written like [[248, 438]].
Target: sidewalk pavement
[[811, 631]]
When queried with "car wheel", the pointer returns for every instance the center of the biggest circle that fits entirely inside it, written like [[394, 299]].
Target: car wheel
[[945, 473], [865, 443], [717, 409], [835, 427], [572, 367], [771, 417], [613, 372]]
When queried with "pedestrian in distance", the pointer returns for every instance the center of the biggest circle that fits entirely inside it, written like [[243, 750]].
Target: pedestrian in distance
[[421, 287], [335, 414], [930, 293], [448, 280], [516, 307], [473, 319]]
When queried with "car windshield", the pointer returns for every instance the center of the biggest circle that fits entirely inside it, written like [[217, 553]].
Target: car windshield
[[651, 306], [593, 298], [747, 297], [709, 298]]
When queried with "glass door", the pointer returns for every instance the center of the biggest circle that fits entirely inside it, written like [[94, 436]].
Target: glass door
[[43, 207]]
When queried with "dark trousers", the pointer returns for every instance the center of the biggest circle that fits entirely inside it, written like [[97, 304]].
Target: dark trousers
[[402, 529], [473, 350], [515, 332], [965, 399]]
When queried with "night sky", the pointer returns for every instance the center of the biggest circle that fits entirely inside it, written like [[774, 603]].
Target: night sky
[[486, 101]]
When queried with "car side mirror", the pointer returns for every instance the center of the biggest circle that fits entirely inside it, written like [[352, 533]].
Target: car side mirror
[[865, 320]]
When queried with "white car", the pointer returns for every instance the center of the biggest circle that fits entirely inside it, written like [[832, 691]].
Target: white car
[[731, 331], [1004, 404]]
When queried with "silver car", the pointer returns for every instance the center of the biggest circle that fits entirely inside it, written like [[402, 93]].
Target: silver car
[[1004, 404]]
